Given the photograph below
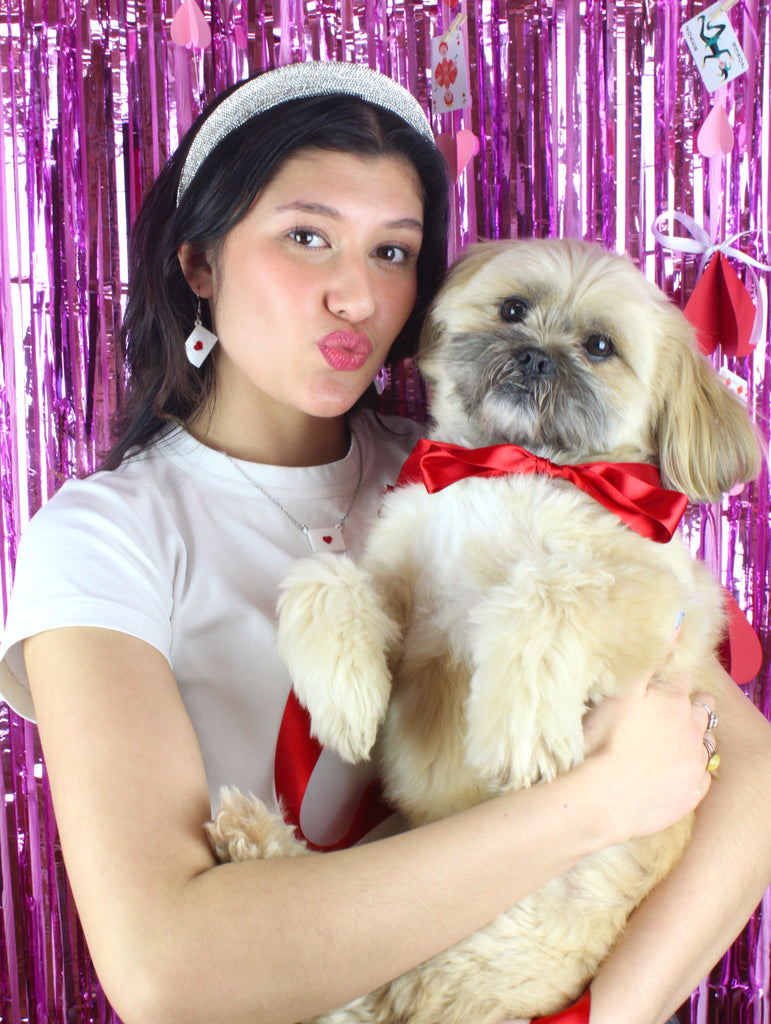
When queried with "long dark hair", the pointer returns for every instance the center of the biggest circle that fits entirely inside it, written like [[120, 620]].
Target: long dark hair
[[162, 384]]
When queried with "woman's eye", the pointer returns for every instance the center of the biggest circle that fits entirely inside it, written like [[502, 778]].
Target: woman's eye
[[599, 346], [392, 253], [307, 239], [514, 309]]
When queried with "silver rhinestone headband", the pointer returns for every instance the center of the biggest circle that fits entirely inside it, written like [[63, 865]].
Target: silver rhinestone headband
[[299, 81]]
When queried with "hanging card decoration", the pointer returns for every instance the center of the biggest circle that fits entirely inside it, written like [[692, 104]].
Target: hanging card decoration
[[449, 72], [714, 46], [736, 384]]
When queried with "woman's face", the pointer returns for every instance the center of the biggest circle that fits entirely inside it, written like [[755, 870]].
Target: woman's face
[[312, 287]]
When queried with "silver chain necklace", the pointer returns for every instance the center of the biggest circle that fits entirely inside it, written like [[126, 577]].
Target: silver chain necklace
[[326, 538]]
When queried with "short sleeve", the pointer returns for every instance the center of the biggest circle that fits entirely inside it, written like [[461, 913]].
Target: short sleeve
[[98, 554]]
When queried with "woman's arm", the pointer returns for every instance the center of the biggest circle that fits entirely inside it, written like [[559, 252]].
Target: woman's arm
[[176, 938], [692, 917]]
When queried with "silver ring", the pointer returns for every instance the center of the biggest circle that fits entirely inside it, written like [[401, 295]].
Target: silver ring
[[713, 719], [713, 758]]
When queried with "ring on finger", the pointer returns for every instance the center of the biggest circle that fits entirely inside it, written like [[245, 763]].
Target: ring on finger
[[713, 758], [713, 719]]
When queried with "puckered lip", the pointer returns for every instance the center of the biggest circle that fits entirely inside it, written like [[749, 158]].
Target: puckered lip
[[345, 350], [347, 341]]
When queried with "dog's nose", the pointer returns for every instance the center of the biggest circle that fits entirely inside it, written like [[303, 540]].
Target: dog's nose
[[535, 362]]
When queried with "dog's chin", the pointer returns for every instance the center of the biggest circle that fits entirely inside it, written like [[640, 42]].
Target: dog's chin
[[562, 428]]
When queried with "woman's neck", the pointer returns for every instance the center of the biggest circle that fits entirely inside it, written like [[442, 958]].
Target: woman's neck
[[295, 441]]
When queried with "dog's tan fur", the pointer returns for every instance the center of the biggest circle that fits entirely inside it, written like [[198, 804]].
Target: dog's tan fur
[[484, 619]]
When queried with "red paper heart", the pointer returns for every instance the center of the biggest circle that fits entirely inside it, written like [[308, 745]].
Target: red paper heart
[[721, 310], [741, 653], [327, 539]]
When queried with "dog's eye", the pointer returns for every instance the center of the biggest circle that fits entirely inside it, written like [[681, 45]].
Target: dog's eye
[[514, 309], [599, 346]]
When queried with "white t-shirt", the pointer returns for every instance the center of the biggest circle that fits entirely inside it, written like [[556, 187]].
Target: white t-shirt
[[176, 548]]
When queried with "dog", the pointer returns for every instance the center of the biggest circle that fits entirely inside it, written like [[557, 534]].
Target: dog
[[485, 618]]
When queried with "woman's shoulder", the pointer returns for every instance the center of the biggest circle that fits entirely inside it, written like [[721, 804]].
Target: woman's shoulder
[[142, 480], [106, 521], [101, 552]]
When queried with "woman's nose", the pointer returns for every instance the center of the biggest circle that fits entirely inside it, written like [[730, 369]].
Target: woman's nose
[[350, 294]]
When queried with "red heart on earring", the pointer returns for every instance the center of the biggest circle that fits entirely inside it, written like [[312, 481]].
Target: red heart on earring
[[327, 540], [198, 346]]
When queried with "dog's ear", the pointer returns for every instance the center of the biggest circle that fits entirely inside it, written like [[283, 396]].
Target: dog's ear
[[464, 268], [707, 442], [430, 333]]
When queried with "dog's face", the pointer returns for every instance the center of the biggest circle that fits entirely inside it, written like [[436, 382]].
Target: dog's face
[[567, 350]]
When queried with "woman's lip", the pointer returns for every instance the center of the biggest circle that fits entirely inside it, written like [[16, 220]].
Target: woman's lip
[[345, 350]]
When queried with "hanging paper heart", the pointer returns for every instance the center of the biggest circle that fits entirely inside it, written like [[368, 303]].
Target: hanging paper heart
[[741, 653], [458, 150], [721, 310], [189, 27], [716, 135]]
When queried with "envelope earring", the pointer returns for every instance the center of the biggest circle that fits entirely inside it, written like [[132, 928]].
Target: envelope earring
[[200, 341]]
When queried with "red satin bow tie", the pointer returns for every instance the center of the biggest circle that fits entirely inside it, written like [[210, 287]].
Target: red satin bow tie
[[630, 489]]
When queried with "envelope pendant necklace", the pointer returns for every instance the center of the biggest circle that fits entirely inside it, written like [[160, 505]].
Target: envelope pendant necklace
[[321, 538]]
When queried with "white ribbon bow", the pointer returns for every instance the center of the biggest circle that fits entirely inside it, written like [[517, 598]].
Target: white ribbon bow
[[699, 244]]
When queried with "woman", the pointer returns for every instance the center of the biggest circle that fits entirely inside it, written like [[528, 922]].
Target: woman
[[306, 214]]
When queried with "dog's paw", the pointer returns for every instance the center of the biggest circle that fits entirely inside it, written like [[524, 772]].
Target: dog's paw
[[513, 741], [244, 829], [502, 765], [528, 688], [334, 636]]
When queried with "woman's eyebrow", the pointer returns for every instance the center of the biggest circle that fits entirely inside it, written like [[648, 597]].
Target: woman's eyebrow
[[306, 206]]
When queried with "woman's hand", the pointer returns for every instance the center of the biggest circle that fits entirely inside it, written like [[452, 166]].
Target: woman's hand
[[682, 929], [651, 744]]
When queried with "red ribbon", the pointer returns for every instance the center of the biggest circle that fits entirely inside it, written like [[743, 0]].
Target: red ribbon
[[296, 755], [630, 489], [578, 1013]]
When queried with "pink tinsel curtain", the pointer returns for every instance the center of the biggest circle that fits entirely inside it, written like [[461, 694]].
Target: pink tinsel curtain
[[587, 114]]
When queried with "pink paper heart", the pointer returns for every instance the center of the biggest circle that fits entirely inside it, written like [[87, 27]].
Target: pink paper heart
[[189, 27], [716, 134], [446, 146], [458, 150]]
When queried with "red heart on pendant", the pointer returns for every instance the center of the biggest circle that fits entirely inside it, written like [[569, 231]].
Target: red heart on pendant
[[327, 540], [198, 346]]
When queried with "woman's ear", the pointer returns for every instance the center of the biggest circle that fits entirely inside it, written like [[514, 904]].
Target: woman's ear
[[196, 269]]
